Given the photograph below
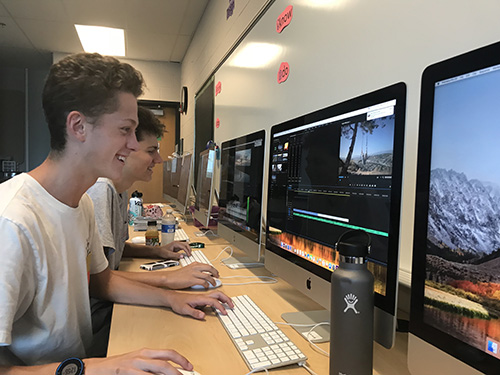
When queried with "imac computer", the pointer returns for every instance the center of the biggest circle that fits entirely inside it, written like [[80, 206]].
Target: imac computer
[[205, 187], [182, 201], [455, 304], [240, 198], [171, 175], [333, 170]]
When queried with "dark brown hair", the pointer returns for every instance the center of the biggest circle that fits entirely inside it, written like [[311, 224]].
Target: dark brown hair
[[88, 83], [148, 124]]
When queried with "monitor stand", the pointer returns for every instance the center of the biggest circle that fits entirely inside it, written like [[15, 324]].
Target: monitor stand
[[320, 333]]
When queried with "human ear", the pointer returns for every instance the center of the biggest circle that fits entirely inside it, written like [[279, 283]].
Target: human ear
[[76, 125]]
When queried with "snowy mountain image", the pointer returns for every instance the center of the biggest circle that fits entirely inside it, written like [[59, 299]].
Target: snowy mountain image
[[464, 215]]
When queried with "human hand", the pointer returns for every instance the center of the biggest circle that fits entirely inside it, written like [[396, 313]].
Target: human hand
[[187, 304], [173, 250], [143, 361], [192, 274]]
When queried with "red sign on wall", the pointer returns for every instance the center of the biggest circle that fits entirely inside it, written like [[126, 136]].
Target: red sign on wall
[[218, 88], [284, 19], [283, 72], [217, 123]]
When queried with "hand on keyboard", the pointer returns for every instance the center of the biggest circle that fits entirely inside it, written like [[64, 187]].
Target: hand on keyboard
[[188, 304], [173, 250], [192, 274]]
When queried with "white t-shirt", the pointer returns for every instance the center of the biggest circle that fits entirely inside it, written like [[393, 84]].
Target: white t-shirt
[[48, 250]]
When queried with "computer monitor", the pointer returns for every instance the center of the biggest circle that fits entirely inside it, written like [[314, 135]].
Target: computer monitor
[[240, 198], [205, 187], [182, 201], [332, 170], [455, 305], [171, 175]]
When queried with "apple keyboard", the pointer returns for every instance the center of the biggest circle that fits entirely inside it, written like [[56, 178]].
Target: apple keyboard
[[259, 341], [196, 256], [180, 235]]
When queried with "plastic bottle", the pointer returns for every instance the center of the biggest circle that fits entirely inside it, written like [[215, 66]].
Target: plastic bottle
[[167, 227], [135, 207], [152, 236], [351, 339]]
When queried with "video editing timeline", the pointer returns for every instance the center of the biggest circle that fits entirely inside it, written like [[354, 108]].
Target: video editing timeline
[[334, 175]]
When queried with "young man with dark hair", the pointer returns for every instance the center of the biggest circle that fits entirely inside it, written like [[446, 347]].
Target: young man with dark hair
[[110, 206], [51, 253]]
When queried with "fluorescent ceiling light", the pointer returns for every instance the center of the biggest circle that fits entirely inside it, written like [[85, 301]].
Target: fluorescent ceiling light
[[255, 55], [103, 40]]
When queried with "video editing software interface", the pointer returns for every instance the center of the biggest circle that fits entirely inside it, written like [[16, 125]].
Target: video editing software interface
[[329, 176], [461, 263], [240, 199]]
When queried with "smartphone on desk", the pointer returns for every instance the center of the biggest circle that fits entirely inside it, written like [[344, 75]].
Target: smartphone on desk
[[159, 264], [197, 245]]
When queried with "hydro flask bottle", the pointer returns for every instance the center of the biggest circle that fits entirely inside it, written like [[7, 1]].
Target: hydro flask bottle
[[351, 339]]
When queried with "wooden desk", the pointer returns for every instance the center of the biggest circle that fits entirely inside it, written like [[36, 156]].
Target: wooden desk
[[206, 343]]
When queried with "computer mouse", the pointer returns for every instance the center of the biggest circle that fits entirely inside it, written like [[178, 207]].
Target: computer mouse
[[138, 240], [218, 283], [185, 372]]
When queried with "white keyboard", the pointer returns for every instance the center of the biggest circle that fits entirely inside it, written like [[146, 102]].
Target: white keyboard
[[180, 235], [260, 342], [196, 256]]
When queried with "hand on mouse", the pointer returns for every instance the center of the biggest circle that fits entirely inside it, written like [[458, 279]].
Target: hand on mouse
[[187, 304], [173, 250], [192, 274], [143, 361]]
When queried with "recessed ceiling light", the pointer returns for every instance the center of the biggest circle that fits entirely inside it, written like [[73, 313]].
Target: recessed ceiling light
[[103, 40]]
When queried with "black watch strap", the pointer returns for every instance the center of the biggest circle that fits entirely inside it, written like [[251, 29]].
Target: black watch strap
[[71, 366]]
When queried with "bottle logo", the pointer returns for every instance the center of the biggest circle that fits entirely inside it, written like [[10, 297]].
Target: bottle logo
[[351, 300]]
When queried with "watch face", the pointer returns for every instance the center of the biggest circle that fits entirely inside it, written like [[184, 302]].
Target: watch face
[[70, 366], [70, 369]]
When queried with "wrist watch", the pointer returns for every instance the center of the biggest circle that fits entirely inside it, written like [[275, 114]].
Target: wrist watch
[[71, 366]]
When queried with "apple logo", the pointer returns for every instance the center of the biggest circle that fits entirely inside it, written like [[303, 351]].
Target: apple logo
[[308, 283]]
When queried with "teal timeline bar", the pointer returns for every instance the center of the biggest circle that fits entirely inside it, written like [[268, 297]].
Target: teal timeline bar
[[372, 231]]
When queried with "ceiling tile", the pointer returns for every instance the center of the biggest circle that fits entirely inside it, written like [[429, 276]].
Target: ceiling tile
[[192, 17], [181, 46], [52, 36], [156, 47], [156, 16], [12, 35], [109, 13], [48, 10]]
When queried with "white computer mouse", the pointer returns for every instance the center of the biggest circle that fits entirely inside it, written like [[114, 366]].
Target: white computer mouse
[[218, 283], [185, 372], [138, 240]]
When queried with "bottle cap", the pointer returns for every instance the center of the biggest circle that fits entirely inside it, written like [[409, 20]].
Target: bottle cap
[[354, 243], [169, 211], [151, 222]]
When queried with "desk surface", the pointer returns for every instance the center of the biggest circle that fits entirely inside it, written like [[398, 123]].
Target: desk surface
[[207, 345]]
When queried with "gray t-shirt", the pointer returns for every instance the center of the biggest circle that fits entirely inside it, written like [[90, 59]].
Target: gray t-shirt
[[111, 217]]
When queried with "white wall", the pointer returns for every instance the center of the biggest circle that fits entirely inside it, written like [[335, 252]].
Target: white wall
[[348, 47], [214, 37]]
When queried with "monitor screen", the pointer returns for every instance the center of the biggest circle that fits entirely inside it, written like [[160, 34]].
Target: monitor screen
[[184, 183], [171, 175], [204, 187], [240, 198], [456, 254], [333, 170]]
